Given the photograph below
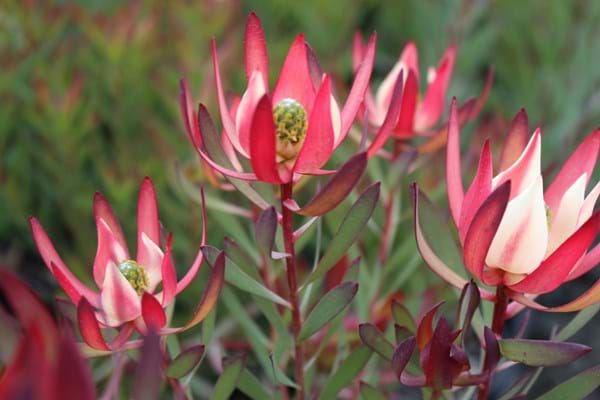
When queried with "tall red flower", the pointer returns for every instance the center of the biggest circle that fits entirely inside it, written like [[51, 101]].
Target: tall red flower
[[127, 296], [514, 233], [290, 131]]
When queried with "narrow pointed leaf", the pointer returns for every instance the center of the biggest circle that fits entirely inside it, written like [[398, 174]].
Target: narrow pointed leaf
[[369, 392], [346, 373], [235, 253], [238, 278], [185, 362], [229, 378], [468, 304], [492, 349], [88, 326], [376, 341], [252, 387], [402, 316], [152, 312], [425, 329], [333, 303], [402, 355], [541, 353], [578, 387], [348, 231], [338, 187], [265, 229]]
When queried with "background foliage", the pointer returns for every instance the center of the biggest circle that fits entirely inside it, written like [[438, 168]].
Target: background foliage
[[89, 97]]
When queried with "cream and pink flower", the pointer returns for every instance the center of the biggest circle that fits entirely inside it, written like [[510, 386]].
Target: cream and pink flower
[[127, 295]]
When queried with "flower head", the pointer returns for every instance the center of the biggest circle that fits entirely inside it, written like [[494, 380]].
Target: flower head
[[290, 131], [127, 294], [513, 232]]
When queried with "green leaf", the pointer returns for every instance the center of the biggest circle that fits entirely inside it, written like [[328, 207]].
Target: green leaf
[[235, 253], [369, 392], [238, 278], [577, 387], [229, 378], [578, 322], [374, 339], [345, 374], [348, 231], [252, 387], [338, 187], [333, 303], [402, 316], [185, 362], [541, 353]]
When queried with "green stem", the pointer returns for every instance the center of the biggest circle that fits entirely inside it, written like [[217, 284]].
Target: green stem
[[287, 224]]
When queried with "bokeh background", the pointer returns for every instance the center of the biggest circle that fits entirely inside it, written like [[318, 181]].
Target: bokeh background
[[89, 98]]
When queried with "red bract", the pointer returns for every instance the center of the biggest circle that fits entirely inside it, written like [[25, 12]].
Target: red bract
[[127, 296], [291, 131], [513, 233], [44, 352]]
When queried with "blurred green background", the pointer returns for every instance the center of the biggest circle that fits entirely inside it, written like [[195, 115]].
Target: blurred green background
[[89, 93]]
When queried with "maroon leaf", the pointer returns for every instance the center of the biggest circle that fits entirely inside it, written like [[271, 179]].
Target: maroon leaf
[[425, 328], [265, 229], [338, 187], [402, 355], [148, 374]]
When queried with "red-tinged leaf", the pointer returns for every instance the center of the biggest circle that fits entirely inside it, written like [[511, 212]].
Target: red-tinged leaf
[[148, 375], [255, 48], [582, 161], [468, 304], [425, 328], [265, 230], [402, 355], [553, 271], [338, 187], [492, 350], [336, 274], [320, 137], [262, 142], [541, 353], [152, 312], [78, 383], [580, 386], [169, 274], [185, 362], [391, 117], [431, 259], [359, 88], [402, 316], [211, 292], [454, 182], [405, 126], [190, 119], [331, 304], [376, 341], [89, 327], [516, 140], [435, 357], [483, 228], [478, 192], [588, 298]]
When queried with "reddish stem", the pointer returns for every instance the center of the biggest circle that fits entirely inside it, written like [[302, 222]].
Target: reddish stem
[[287, 224], [500, 304]]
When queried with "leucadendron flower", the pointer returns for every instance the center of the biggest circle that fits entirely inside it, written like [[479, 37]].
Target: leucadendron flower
[[290, 131], [127, 297], [514, 232]]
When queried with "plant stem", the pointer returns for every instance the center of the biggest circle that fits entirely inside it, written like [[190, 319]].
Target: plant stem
[[500, 304], [288, 239]]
